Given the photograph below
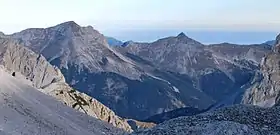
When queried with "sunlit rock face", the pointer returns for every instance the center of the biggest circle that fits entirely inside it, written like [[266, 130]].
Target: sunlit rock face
[[265, 89]]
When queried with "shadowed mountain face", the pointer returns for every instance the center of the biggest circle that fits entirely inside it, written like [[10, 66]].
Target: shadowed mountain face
[[220, 70], [138, 80]]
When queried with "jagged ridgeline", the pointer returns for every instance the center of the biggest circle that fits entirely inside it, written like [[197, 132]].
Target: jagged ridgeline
[[157, 81]]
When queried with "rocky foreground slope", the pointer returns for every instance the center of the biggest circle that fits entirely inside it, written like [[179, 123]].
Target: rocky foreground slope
[[187, 111], [35, 70], [235, 120], [25, 110]]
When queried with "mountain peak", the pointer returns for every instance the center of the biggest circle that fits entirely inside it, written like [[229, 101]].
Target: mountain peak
[[186, 40], [182, 34], [70, 24]]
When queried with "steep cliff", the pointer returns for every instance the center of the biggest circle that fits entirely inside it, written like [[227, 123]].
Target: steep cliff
[[266, 85]]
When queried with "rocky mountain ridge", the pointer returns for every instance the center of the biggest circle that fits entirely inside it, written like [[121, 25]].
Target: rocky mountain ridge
[[171, 77], [176, 71], [262, 90], [234, 64], [92, 67], [69, 44]]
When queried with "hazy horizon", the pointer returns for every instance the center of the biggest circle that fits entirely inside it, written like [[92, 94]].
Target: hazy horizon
[[148, 20], [205, 37]]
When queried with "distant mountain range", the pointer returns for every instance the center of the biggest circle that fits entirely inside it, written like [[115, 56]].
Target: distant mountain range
[[113, 42], [204, 36], [170, 73], [271, 42], [156, 81]]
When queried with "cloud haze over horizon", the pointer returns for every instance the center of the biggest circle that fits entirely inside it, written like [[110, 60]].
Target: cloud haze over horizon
[[119, 17]]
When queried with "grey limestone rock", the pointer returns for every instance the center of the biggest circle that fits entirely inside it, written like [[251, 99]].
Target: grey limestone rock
[[28, 65]]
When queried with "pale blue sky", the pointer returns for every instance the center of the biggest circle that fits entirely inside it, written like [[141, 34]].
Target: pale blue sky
[[116, 16]]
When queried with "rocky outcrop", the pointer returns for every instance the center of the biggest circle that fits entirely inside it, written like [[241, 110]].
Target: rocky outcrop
[[238, 120], [139, 125], [18, 58], [265, 89], [87, 105], [37, 71]]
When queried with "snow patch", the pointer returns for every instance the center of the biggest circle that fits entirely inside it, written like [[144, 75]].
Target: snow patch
[[173, 87], [159, 79], [176, 89]]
